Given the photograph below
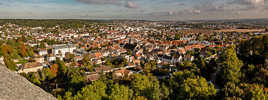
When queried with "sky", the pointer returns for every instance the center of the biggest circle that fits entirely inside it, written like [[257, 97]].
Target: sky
[[134, 9]]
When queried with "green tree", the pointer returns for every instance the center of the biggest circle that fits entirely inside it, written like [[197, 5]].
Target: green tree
[[230, 67], [164, 92], [120, 92], [178, 78], [34, 78], [94, 91], [10, 63], [47, 74], [197, 88], [150, 66], [87, 64], [62, 69], [76, 78], [231, 91], [68, 96], [177, 36], [42, 45], [244, 91], [265, 42], [254, 92], [145, 86]]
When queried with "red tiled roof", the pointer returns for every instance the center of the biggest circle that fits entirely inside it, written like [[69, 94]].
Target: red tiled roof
[[102, 68], [98, 54], [32, 65], [92, 77]]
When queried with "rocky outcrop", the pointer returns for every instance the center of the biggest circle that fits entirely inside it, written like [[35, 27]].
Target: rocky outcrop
[[15, 87]]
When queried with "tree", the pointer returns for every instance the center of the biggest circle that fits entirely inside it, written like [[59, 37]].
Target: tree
[[68, 96], [30, 51], [230, 90], [150, 66], [23, 49], [265, 42], [197, 88], [62, 69], [47, 74], [70, 57], [54, 69], [230, 67], [34, 78], [76, 78], [254, 92], [177, 36], [177, 78], [140, 98], [94, 91], [164, 92], [10, 63], [87, 64], [120, 92], [145, 86], [42, 45], [244, 91]]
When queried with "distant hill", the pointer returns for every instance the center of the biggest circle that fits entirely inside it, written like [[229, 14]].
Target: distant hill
[[16, 87], [259, 21]]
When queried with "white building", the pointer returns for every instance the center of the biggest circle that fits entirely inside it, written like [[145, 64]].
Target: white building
[[42, 52], [51, 58], [63, 49]]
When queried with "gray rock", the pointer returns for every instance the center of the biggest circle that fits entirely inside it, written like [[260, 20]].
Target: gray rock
[[15, 87]]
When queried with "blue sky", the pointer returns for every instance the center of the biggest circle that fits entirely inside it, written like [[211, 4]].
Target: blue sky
[[134, 9]]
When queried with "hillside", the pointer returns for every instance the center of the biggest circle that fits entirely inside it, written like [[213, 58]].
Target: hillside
[[16, 87]]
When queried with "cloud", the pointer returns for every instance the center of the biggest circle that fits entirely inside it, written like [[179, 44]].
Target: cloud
[[207, 7], [170, 12], [125, 3], [131, 4], [101, 2], [248, 4]]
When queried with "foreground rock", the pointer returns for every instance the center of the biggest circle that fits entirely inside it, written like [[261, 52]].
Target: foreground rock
[[16, 87]]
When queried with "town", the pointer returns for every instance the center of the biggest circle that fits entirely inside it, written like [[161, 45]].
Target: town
[[121, 49]]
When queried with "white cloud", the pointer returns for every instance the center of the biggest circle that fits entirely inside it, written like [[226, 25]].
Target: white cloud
[[131, 4]]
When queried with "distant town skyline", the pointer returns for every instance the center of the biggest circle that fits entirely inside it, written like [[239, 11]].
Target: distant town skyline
[[134, 9]]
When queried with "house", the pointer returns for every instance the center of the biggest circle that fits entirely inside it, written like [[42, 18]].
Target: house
[[42, 52], [39, 59], [78, 58], [188, 58], [92, 77], [170, 59], [31, 67], [51, 58], [119, 74], [104, 69]]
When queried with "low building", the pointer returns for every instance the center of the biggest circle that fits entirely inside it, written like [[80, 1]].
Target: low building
[[43, 52], [119, 74], [51, 58], [31, 67], [39, 59], [104, 69], [92, 77]]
